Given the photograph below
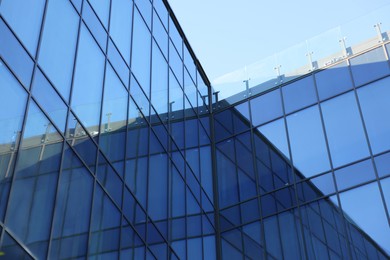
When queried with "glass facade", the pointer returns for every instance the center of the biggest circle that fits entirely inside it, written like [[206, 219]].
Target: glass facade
[[109, 148], [302, 170]]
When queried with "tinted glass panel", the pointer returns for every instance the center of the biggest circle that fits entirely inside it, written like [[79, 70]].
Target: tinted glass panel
[[140, 58], [344, 129], [57, 61], [160, 34], [354, 174], [73, 208], [307, 141], [369, 66], [31, 202], [48, 98], [369, 208], [89, 72], [102, 8], [333, 81], [159, 82], [374, 100], [15, 56], [266, 107], [275, 133], [25, 19], [382, 164], [120, 26], [299, 94]]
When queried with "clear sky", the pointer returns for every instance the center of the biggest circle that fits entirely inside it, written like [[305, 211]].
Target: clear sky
[[229, 34]]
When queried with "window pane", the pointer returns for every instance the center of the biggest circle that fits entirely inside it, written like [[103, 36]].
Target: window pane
[[12, 106], [333, 81], [140, 58], [307, 141], [159, 82], [374, 100], [96, 28], [160, 34], [32, 198], [369, 66], [299, 94], [120, 26], [386, 191], [176, 63], [368, 209], [146, 10], [48, 98], [266, 107], [275, 133], [102, 8], [382, 164], [15, 56], [354, 174], [57, 61], [73, 208], [25, 18], [87, 89], [158, 182], [344, 129], [114, 115]]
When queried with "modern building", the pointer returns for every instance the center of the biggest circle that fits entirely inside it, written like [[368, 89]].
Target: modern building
[[114, 145]]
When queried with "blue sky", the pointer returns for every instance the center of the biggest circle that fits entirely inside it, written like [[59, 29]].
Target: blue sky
[[227, 35]]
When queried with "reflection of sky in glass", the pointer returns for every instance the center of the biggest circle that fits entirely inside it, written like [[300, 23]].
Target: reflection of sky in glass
[[374, 100], [344, 129], [364, 206], [308, 147], [13, 97], [275, 132]]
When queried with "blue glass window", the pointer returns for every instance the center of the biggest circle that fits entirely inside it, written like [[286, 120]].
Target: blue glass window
[[307, 142], [94, 25], [160, 34], [105, 226], [140, 58], [374, 101], [48, 98], [368, 208], [57, 61], [369, 66], [12, 106], [73, 208], [118, 63], [299, 94], [176, 100], [275, 133], [175, 63], [15, 56], [120, 26], [25, 18], [159, 96], [145, 9], [175, 37], [344, 129], [31, 201], [89, 72], [333, 81], [382, 164], [354, 174], [162, 11], [158, 187], [386, 191], [266, 107], [102, 8]]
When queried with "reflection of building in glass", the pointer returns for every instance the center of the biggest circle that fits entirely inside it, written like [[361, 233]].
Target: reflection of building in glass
[[108, 148]]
